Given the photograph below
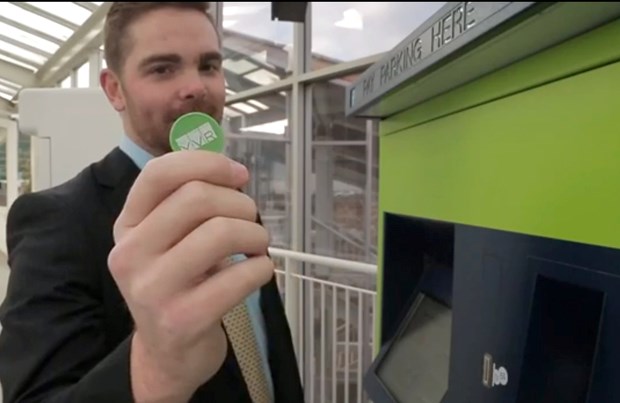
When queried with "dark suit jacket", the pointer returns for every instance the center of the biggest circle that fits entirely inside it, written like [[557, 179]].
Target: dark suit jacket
[[66, 329]]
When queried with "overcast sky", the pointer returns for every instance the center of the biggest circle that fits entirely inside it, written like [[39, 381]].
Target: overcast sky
[[343, 31]]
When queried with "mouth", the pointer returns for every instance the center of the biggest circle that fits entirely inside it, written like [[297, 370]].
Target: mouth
[[201, 110]]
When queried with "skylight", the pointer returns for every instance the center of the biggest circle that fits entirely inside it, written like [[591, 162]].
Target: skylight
[[30, 19]]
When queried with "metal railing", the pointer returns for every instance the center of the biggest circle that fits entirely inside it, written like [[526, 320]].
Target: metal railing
[[330, 305]]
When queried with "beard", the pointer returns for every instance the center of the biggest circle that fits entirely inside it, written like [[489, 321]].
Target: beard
[[153, 129]]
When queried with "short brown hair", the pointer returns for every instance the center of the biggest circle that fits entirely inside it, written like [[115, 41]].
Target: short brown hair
[[122, 14]]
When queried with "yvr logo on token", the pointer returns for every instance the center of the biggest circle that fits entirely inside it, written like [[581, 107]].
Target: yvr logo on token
[[196, 131], [197, 138]]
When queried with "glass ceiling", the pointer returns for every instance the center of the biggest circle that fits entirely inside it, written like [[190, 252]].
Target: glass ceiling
[[30, 33]]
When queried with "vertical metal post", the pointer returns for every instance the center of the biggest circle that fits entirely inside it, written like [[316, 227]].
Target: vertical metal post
[[74, 78], [216, 9], [94, 67], [368, 192], [297, 125], [365, 301], [303, 42]]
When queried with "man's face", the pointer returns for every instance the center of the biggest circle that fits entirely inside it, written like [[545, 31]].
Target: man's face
[[172, 66]]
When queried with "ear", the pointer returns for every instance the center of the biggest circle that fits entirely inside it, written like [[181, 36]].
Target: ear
[[111, 85]]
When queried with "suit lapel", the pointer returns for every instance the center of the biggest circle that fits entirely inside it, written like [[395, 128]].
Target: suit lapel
[[115, 175]]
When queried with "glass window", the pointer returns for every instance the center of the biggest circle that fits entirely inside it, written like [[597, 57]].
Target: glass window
[[3, 184], [67, 10], [16, 62], [23, 165], [8, 89], [22, 54], [341, 185], [83, 76], [257, 50], [28, 39], [66, 83], [260, 140], [344, 175], [27, 18], [9, 84], [362, 29]]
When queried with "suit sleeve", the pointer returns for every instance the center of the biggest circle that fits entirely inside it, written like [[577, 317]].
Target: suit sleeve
[[52, 345]]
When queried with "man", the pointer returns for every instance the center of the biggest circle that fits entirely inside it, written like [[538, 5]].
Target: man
[[121, 286]]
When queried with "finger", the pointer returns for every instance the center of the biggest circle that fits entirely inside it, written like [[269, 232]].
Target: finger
[[163, 175], [227, 288], [188, 207], [205, 247], [211, 272]]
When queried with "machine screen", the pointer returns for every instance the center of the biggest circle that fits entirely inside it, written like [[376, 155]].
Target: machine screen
[[416, 368]]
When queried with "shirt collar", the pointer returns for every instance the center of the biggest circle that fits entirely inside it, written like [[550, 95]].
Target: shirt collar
[[137, 154]]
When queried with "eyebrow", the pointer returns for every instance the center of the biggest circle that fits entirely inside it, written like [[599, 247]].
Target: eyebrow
[[162, 58], [175, 58], [211, 56]]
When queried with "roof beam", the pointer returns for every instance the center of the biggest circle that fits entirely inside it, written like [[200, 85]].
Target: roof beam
[[16, 74], [30, 30], [87, 5], [6, 108], [45, 14], [76, 50], [25, 46]]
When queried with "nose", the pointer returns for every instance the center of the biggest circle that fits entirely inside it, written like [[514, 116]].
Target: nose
[[193, 86]]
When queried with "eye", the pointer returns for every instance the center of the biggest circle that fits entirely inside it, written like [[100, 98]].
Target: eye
[[210, 66], [162, 69]]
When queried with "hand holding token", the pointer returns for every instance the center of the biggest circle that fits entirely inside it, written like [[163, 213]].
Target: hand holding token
[[182, 217]]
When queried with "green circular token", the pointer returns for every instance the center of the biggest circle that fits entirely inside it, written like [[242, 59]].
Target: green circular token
[[196, 131]]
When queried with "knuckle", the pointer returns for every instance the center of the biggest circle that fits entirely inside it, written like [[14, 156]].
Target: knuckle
[[116, 263], [266, 269], [193, 189], [251, 207], [264, 236], [195, 197], [122, 255], [118, 259]]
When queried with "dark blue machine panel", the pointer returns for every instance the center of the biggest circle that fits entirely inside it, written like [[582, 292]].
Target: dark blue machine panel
[[542, 309], [533, 319]]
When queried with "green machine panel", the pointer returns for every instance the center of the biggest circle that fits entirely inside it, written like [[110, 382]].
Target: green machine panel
[[541, 161], [499, 245]]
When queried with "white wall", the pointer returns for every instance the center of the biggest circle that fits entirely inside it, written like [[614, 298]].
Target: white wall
[[70, 128]]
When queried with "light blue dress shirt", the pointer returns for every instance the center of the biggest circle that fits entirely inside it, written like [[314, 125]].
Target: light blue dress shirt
[[140, 157]]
